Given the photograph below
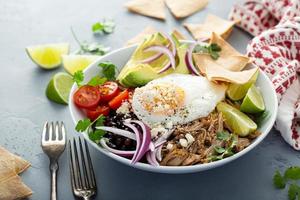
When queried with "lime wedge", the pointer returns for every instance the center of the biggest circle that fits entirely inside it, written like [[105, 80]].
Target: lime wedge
[[236, 91], [73, 63], [59, 87], [47, 56], [253, 101], [238, 122]]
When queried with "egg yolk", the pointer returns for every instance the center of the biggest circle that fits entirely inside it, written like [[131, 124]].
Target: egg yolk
[[163, 99]]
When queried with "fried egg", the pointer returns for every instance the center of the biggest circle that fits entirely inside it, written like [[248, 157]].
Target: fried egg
[[176, 99]]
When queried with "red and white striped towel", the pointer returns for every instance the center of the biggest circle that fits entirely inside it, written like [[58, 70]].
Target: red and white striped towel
[[276, 50]]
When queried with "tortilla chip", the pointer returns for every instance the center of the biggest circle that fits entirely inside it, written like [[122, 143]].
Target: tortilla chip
[[184, 8], [217, 73], [6, 171], [211, 24], [149, 30], [178, 35], [13, 161], [14, 188], [150, 8]]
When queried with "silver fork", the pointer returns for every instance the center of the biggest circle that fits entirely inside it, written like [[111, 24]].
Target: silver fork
[[83, 179], [53, 144]]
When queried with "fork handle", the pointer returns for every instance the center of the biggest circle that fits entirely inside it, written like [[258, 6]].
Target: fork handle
[[86, 198], [53, 170]]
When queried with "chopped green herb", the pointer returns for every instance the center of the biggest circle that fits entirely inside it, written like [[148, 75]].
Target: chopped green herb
[[106, 26], [292, 173], [223, 135], [97, 80], [78, 77], [278, 180], [82, 125], [90, 48], [294, 192], [219, 149], [86, 125], [222, 152], [108, 70], [212, 49]]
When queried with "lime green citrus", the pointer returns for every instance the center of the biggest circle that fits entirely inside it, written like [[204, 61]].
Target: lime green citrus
[[59, 87], [253, 101], [238, 122], [47, 56], [237, 92], [73, 63]]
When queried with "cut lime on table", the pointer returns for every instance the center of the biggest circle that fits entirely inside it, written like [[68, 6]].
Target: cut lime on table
[[48, 56], [237, 92], [253, 101], [238, 122], [59, 87], [73, 63]]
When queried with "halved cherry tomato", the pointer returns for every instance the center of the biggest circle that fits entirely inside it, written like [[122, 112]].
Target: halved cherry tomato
[[99, 110], [108, 91], [116, 102], [87, 97]]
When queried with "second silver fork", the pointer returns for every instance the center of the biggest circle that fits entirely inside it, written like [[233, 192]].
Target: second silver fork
[[53, 144]]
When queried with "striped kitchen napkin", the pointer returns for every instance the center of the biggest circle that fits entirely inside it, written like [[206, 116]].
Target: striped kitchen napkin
[[275, 25]]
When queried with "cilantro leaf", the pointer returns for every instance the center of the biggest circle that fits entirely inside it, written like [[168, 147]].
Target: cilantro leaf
[[294, 191], [78, 77], [278, 180], [212, 49], [97, 80], [96, 135], [100, 120], [292, 173], [83, 125], [223, 135], [219, 149], [108, 70], [106, 26]]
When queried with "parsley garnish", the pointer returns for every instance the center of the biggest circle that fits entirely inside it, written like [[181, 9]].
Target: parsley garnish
[[212, 49], [290, 174], [78, 77], [90, 48], [86, 125], [223, 135], [106, 26], [97, 80], [108, 70]]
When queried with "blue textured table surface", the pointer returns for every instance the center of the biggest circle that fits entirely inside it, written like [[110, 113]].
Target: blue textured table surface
[[24, 108]]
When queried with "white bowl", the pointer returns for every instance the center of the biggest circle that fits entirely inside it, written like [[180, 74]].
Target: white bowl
[[119, 58]]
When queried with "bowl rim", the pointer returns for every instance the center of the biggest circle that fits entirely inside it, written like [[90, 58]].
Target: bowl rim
[[176, 169]]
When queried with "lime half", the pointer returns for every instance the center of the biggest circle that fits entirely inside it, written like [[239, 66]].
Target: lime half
[[59, 87], [236, 91], [47, 56], [253, 101], [73, 63], [238, 122]]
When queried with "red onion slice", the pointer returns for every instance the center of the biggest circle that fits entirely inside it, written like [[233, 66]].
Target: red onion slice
[[154, 57], [189, 60], [150, 156], [117, 131], [115, 151], [158, 153], [172, 43], [167, 52], [138, 140]]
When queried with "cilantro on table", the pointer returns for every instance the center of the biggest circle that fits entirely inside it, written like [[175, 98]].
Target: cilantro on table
[[108, 70], [78, 77], [223, 152], [213, 50], [85, 125], [106, 27], [90, 48], [291, 175]]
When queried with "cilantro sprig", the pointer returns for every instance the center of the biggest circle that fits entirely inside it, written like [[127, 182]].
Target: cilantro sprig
[[108, 70], [87, 125], [213, 50], [291, 175], [78, 77], [89, 48], [222, 152], [106, 27]]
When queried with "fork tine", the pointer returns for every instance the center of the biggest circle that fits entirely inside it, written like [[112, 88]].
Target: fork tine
[[51, 131], [77, 166], [63, 132], [56, 132], [86, 177], [45, 129], [71, 165], [90, 164]]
